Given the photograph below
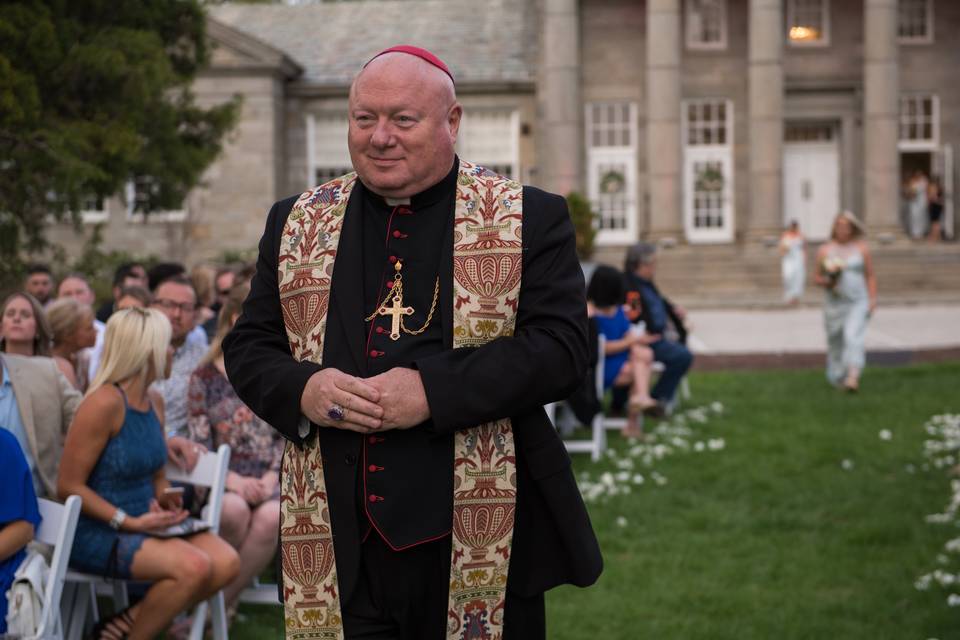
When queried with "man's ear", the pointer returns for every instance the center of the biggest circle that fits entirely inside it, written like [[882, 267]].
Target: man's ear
[[453, 120]]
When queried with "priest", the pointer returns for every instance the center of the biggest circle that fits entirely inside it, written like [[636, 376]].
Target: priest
[[406, 324]]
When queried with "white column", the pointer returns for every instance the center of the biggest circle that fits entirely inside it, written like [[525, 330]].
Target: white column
[[766, 119], [881, 105], [664, 154], [561, 107]]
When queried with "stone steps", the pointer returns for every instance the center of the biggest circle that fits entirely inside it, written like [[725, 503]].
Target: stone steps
[[729, 276]]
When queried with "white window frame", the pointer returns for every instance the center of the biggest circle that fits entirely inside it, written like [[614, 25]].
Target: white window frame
[[931, 144], [512, 157], [698, 45], [170, 215], [598, 155], [713, 152], [824, 41], [911, 40], [96, 216], [324, 159]]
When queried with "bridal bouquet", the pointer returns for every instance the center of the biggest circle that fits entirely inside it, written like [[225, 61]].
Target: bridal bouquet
[[832, 267]]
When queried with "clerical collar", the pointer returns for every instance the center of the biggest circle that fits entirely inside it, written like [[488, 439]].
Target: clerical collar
[[427, 197]]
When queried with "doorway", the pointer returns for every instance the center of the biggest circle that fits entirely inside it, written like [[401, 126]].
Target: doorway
[[811, 178]]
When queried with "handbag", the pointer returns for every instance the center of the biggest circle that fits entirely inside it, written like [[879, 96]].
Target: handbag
[[25, 597]]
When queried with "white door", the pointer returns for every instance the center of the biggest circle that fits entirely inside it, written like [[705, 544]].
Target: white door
[[811, 186], [708, 194]]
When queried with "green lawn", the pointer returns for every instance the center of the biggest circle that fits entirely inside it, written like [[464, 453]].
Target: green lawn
[[770, 537]]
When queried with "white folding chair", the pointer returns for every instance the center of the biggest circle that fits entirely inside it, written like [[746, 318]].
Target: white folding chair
[[597, 443], [260, 593], [56, 530], [210, 472]]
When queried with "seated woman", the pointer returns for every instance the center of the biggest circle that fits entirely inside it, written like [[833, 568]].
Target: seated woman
[[628, 359], [19, 514], [114, 459], [251, 506], [23, 326], [71, 323]]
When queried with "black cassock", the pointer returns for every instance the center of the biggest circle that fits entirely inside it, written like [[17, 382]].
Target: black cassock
[[398, 484]]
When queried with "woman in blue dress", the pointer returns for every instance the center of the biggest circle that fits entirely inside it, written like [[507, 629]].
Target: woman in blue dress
[[19, 514], [845, 271], [113, 458], [627, 356]]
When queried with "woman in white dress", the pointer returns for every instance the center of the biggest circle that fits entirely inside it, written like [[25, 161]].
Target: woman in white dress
[[793, 263], [917, 204], [845, 271]]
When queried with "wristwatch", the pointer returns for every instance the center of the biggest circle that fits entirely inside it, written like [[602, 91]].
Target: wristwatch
[[117, 520]]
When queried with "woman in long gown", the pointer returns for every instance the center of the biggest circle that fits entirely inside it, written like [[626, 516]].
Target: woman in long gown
[[917, 204], [845, 271], [793, 263]]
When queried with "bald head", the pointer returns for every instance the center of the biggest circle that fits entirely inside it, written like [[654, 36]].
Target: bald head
[[404, 119]]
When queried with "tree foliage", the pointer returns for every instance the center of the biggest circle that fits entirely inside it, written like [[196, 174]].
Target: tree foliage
[[94, 93], [584, 223]]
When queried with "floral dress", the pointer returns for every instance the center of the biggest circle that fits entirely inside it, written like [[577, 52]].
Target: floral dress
[[216, 415]]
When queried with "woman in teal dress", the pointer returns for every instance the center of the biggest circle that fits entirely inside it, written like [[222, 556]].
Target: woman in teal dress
[[113, 458], [845, 271]]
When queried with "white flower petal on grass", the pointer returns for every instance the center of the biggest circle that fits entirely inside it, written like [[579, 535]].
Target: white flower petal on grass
[[699, 446], [910, 468], [623, 476], [637, 478], [847, 464], [625, 463], [923, 582], [716, 444], [953, 600], [886, 434], [716, 407], [621, 521]]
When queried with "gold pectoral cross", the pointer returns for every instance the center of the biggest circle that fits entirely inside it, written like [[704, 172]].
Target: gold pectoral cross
[[396, 310]]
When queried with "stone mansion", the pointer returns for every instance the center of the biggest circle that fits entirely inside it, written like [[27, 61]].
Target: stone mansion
[[683, 121]]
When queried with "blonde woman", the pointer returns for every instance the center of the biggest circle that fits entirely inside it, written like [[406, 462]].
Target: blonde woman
[[215, 416], [845, 271], [71, 323], [113, 459]]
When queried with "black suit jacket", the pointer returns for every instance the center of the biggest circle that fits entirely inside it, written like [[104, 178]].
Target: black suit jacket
[[509, 377]]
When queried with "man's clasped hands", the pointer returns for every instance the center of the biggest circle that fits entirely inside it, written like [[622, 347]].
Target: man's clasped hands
[[392, 400]]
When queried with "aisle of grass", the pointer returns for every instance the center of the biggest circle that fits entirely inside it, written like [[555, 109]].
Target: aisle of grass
[[770, 538]]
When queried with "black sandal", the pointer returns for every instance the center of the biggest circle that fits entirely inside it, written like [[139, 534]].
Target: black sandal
[[116, 627]]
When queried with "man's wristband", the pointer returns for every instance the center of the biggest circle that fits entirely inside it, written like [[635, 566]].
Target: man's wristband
[[118, 518]]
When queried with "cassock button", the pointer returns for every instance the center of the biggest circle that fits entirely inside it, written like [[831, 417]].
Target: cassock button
[[381, 330], [374, 468], [375, 354], [393, 259], [398, 234], [374, 498], [389, 284]]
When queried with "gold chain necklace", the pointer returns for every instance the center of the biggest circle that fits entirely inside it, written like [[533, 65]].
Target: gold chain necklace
[[397, 310]]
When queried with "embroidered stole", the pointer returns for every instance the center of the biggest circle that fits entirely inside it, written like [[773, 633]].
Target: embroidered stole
[[487, 260]]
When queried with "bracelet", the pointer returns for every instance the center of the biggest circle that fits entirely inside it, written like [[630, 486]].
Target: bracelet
[[117, 520]]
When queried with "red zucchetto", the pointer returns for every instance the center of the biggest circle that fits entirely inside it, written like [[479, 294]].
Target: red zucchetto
[[419, 52]]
